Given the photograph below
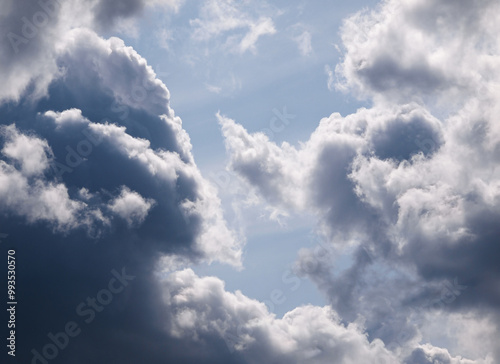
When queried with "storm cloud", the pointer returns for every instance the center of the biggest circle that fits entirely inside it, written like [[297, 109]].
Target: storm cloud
[[102, 200]]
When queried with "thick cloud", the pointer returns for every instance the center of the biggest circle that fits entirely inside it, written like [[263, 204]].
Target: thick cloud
[[98, 188], [319, 170], [201, 307], [427, 354], [412, 198], [98, 181], [34, 31], [421, 49], [134, 140]]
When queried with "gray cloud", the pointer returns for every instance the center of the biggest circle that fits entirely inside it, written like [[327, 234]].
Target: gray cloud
[[97, 173], [421, 50], [96, 176], [201, 307], [411, 197]]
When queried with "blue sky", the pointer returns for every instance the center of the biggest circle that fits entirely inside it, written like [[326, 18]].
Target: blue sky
[[250, 181], [253, 88], [250, 87]]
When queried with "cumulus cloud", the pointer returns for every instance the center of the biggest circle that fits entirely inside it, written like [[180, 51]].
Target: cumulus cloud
[[421, 50], [318, 171], [30, 152], [131, 206], [96, 173], [408, 191], [201, 307], [427, 354], [35, 31], [100, 171]]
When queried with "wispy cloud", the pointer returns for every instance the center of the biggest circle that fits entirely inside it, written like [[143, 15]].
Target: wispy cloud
[[241, 28], [304, 43]]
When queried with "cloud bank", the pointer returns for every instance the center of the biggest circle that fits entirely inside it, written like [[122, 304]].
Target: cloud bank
[[98, 185], [409, 186]]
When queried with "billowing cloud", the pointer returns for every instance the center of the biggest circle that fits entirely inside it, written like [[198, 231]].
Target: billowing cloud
[[421, 49], [35, 31], [201, 307], [156, 146], [98, 177], [427, 354], [408, 188], [98, 186], [131, 206]]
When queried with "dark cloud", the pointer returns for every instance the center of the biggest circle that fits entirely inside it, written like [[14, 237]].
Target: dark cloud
[[28, 29], [99, 187], [98, 177], [106, 13]]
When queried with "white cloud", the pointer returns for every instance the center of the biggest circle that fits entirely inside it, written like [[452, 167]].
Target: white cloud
[[417, 49], [330, 83], [427, 354], [262, 27], [152, 141], [131, 206], [25, 192], [308, 334], [418, 193], [304, 43], [30, 152], [218, 17]]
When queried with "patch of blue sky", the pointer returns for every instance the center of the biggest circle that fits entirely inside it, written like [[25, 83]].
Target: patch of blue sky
[[285, 71]]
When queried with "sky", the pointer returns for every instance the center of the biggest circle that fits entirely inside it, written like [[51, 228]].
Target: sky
[[227, 181]]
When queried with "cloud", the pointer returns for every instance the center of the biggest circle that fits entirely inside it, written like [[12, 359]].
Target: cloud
[[409, 188], [427, 354], [316, 176], [330, 83], [304, 43], [424, 50], [30, 152], [131, 206], [219, 17], [35, 31], [96, 173], [263, 27], [95, 176], [201, 307]]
